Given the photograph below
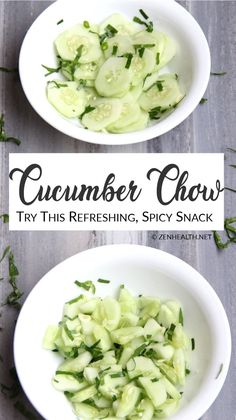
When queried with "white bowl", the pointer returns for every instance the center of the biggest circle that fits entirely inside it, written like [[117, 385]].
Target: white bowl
[[144, 271], [192, 62]]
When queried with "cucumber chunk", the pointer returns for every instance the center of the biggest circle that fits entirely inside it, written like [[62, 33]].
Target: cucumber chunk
[[128, 400], [144, 409], [68, 42], [67, 383], [106, 112], [84, 394], [123, 44], [129, 114], [165, 94], [142, 366], [88, 71], [85, 411], [156, 391], [142, 66], [113, 78], [66, 98], [111, 311], [124, 335], [78, 364], [50, 337], [120, 23]]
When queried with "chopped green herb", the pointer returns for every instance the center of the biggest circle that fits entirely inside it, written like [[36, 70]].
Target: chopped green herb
[[193, 343], [129, 57], [170, 331], [87, 285], [220, 370], [60, 21], [143, 14], [155, 380], [159, 85], [111, 30], [114, 49], [187, 372], [68, 333], [103, 281], [104, 46], [51, 70], [140, 350], [223, 73], [83, 82], [7, 70], [157, 58], [19, 406], [86, 24], [57, 85], [3, 135], [88, 109], [149, 25], [231, 150], [203, 101], [75, 300], [76, 375], [5, 218], [230, 231], [16, 294], [70, 66], [181, 317], [141, 52], [5, 252], [118, 375]]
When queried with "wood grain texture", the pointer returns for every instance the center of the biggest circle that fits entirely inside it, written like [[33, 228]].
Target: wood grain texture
[[211, 128]]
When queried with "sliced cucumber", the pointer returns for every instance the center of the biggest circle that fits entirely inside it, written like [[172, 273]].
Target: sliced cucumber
[[66, 98], [167, 409], [88, 71], [179, 365], [67, 383], [119, 45], [164, 94], [129, 399], [142, 366], [156, 391], [106, 112], [111, 310], [128, 303], [140, 124], [129, 114], [68, 42], [144, 409], [78, 364], [141, 66], [85, 411], [50, 337], [101, 335], [168, 53], [113, 77], [84, 394], [125, 335]]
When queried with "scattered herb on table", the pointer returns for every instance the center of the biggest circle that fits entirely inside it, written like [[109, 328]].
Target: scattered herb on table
[[8, 70], [19, 406], [203, 101], [4, 217], [5, 252], [16, 294], [222, 73], [3, 136], [230, 232], [60, 21]]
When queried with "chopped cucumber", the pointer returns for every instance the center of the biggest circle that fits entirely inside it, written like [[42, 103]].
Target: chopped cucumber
[[105, 112], [113, 78], [142, 66], [66, 98], [123, 358], [120, 23]]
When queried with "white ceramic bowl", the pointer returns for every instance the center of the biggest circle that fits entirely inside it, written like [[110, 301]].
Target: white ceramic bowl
[[192, 62], [144, 271]]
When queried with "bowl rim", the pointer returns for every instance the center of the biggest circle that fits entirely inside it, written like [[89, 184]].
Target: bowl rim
[[175, 118], [167, 262]]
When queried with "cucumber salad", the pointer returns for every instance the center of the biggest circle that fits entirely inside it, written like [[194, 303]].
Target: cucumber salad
[[124, 358], [111, 75]]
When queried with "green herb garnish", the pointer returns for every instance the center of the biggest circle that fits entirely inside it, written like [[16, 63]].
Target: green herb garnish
[[230, 231], [170, 331], [51, 70], [7, 70], [15, 295], [57, 85], [193, 343], [5, 218], [149, 25], [157, 58], [143, 14], [103, 281], [223, 73], [87, 285], [203, 101], [3, 136], [159, 85], [60, 21], [70, 302], [181, 317], [104, 46], [187, 372], [86, 24], [114, 49], [68, 333], [129, 57], [88, 109], [118, 375]]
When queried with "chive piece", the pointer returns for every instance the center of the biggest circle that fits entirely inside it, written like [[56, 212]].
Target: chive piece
[[104, 46], [129, 57], [51, 70], [8, 70], [86, 24], [187, 372], [19, 406], [3, 136], [193, 343], [140, 350], [181, 317], [5, 252], [203, 101], [87, 285], [88, 109], [219, 242], [143, 14], [155, 380], [158, 59], [103, 281], [141, 52], [57, 85], [170, 331], [83, 82], [159, 85], [223, 73], [16, 294], [68, 333], [5, 218], [231, 150], [114, 397], [114, 49], [70, 302], [111, 30], [76, 375], [220, 370], [60, 21], [117, 375]]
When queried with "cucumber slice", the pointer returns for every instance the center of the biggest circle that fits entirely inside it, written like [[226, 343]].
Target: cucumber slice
[[150, 307], [164, 94], [124, 335], [136, 91], [120, 23], [128, 320], [141, 66], [152, 327], [106, 112], [78, 364], [179, 338], [113, 77], [163, 351], [122, 43], [140, 124], [67, 383], [101, 402], [101, 335], [128, 303], [84, 394], [145, 410], [85, 411], [88, 71], [68, 42], [129, 114], [89, 307], [129, 399], [171, 389], [90, 374], [50, 337], [66, 98], [168, 53], [111, 310], [167, 409], [142, 366], [179, 365], [169, 372], [125, 356], [155, 391]]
